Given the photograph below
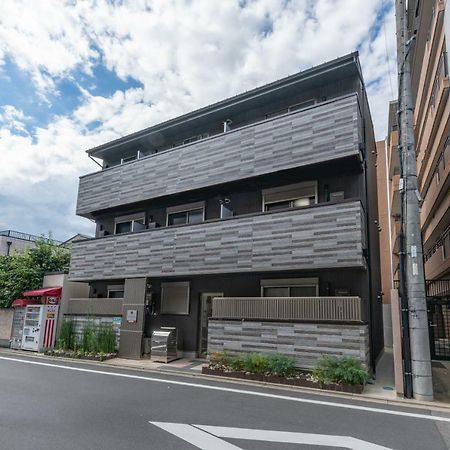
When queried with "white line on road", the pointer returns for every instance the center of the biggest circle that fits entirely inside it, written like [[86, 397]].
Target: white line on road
[[194, 436], [236, 391], [207, 439]]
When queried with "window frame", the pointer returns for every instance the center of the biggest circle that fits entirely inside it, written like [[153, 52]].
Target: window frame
[[186, 284], [129, 218], [115, 288], [291, 198], [290, 283], [186, 208]]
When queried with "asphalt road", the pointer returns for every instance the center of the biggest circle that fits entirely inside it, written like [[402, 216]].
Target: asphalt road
[[57, 405]]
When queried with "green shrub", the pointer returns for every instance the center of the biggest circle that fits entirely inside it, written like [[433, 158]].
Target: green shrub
[[66, 335], [106, 339], [281, 365], [220, 360], [89, 342], [340, 370], [237, 364], [255, 363]]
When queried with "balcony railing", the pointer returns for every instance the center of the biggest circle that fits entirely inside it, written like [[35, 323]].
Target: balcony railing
[[24, 236], [441, 73], [320, 133], [309, 309], [323, 236]]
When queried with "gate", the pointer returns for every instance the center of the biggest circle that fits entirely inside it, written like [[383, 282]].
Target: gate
[[439, 327], [438, 306]]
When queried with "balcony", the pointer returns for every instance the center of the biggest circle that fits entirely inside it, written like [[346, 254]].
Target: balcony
[[323, 132], [308, 309], [394, 162], [324, 236], [436, 265], [395, 196]]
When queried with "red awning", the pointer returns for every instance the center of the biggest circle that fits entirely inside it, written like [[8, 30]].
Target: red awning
[[50, 292], [22, 302]]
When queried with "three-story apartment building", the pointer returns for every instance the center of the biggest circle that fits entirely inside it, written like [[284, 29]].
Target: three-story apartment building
[[271, 193]]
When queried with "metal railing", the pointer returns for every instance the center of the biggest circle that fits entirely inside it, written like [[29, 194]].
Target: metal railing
[[24, 236], [434, 288], [441, 73], [314, 309]]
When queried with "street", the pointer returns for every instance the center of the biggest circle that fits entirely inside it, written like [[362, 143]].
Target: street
[[48, 404]]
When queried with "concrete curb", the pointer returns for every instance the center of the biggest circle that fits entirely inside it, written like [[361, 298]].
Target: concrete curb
[[400, 402]]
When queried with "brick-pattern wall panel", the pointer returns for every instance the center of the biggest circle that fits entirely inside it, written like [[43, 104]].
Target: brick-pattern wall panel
[[318, 134], [306, 342], [320, 237]]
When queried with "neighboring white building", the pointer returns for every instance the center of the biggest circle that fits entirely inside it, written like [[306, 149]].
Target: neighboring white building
[[11, 241]]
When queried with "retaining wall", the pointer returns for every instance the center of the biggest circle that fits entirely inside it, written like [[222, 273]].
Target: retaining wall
[[306, 342]]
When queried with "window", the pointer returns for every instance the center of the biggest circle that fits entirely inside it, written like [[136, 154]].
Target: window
[[129, 224], [116, 291], [290, 196], [175, 298], [139, 154], [290, 287], [186, 214], [291, 108]]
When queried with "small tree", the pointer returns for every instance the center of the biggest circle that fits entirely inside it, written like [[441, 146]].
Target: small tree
[[23, 271]]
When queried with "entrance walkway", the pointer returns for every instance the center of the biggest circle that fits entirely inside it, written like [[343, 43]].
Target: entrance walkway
[[384, 384], [441, 381], [180, 365]]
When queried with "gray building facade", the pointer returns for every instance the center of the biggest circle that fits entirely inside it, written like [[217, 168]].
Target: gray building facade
[[271, 193]]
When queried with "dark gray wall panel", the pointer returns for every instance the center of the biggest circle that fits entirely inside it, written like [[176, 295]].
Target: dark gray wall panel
[[319, 237], [305, 342], [327, 131]]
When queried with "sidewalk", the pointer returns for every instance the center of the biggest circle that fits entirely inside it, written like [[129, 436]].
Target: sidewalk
[[384, 384], [185, 365]]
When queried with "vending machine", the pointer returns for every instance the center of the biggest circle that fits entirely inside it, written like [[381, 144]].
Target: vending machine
[[39, 328]]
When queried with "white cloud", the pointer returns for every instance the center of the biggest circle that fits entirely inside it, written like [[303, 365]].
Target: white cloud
[[185, 54]]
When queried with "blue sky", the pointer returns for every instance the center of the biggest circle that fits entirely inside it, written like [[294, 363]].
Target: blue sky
[[76, 74]]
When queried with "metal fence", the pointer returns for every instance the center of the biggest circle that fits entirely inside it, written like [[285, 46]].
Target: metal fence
[[314, 309], [24, 236], [434, 288]]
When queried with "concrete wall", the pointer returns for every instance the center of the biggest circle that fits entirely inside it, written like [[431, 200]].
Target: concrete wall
[[6, 321], [384, 221], [327, 131], [325, 236], [306, 342], [17, 245]]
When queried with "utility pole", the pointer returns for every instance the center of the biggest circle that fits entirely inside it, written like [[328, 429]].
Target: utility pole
[[422, 385]]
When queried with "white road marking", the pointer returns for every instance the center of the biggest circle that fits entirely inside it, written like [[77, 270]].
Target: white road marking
[[194, 436], [236, 391], [202, 440]]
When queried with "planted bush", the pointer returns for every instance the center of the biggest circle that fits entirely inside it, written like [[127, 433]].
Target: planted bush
[[332, 369], [66, 335], [89, 341], [220, 360], [255, 363], [281, 365], [106, 339], [258, 363], [93, 339]]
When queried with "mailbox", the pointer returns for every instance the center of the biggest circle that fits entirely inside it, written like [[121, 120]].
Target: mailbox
[[164, 345]]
